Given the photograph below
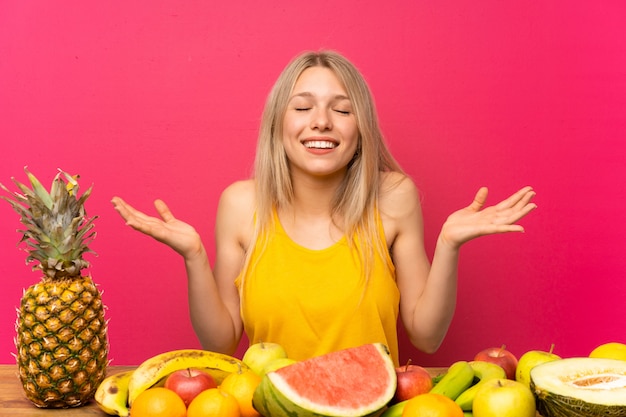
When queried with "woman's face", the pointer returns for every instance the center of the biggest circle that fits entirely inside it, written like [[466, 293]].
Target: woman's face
[[320, 133]]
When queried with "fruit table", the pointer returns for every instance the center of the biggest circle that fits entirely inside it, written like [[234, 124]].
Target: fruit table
[[14, 403]]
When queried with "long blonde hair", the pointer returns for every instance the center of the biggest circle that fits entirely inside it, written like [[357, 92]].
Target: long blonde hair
[[356, 199]]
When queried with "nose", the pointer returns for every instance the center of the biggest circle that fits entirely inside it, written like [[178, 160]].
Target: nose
[[321, 120]]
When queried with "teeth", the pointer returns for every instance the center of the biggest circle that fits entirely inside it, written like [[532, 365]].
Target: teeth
[[321, 144]]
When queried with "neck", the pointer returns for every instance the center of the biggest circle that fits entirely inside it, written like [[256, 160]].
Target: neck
[[309, 219], [313, 195]]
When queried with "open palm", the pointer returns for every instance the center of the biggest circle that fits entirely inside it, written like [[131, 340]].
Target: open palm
[[476, 220], [177, 234]]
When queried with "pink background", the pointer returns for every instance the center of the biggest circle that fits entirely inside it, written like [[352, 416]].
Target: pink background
[[163, 99]]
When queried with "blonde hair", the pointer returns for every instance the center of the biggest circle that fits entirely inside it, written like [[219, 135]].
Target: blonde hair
[[356, 199]]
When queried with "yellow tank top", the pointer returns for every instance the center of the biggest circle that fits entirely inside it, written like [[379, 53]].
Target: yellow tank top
[[314, 301]]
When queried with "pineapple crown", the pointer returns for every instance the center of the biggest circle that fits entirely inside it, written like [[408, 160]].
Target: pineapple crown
[[57, 230]]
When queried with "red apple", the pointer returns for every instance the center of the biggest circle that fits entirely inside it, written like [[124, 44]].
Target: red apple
[[412, 381], [188, 383], [499, 356]]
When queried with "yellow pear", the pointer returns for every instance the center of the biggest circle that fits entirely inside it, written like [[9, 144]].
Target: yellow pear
[[611, 350]]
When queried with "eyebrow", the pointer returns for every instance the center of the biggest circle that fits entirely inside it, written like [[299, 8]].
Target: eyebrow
[[307, 94]]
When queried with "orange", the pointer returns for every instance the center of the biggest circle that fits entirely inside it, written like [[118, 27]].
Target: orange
[[241, 385], [158, 402], [431, 405], [213, 402]]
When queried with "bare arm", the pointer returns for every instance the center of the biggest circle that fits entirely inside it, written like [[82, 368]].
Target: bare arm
[[428, 292], [213, 305]]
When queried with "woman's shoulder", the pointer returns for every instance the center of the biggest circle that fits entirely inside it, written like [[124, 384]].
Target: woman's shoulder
[[398, 204], [239, 196], [236, 213], [398, 199], [397, 188], [240, 188]]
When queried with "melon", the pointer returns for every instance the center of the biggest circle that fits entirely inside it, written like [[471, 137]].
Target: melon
[[580, 387], [351, 382]]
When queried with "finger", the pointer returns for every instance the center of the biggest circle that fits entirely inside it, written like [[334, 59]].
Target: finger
[[508, 228], [133, 213], [117, 202], [526, 201], [494, 228], [514, 198], [510, 217], [133, 217], [164, 211], [479, 199], [522, 212], [523, 206], [121, 207]]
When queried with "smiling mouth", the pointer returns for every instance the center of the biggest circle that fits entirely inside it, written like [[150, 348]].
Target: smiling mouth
[[320, 144]]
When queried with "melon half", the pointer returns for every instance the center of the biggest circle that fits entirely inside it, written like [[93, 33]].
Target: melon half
[[589, 387], [352, 382]]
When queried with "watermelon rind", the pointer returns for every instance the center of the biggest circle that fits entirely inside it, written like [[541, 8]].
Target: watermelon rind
[[275, 397]]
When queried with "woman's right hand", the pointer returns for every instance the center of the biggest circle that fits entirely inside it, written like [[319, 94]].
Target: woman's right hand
[[178, 235]]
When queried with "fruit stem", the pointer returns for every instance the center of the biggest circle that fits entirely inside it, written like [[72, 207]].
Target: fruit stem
[[501, 349], [551, 347], [406, 367]]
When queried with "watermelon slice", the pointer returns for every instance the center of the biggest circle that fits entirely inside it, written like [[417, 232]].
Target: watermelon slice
[[353, 382]]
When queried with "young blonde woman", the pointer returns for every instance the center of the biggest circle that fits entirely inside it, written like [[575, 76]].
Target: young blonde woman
[[323, 248]]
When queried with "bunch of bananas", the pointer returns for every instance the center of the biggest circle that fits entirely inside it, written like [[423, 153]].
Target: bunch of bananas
[[117, 392], [460, 383]]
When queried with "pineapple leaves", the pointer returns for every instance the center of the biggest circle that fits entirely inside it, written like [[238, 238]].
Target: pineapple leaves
[[39, 189], [72, 182], [57, 231]]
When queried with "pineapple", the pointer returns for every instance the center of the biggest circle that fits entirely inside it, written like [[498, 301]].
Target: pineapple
[[61, 341]]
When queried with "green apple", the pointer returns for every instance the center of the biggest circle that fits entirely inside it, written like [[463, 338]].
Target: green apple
[[504, 398], [531, 359], [258, 355], [277, 364]]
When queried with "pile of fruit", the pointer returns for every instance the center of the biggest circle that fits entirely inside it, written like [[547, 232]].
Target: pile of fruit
[[190, 383], [497, 384], [363, 381], [196, 383]]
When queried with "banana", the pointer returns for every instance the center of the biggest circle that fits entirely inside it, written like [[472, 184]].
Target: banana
[[153, 370], [395, 410], [483, 371], [112, 394], [459, 377], [217, 374]]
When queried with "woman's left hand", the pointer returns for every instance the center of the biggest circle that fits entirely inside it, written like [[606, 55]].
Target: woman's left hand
[[474, 221]]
